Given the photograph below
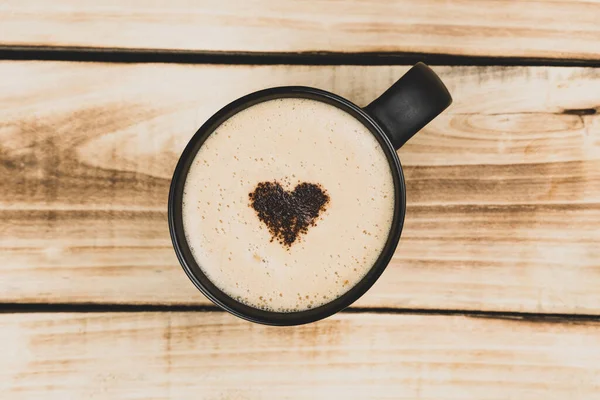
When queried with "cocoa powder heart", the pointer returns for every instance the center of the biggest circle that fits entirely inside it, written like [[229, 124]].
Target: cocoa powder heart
[[288, 214]]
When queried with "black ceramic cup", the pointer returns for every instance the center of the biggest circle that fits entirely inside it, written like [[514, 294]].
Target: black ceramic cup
[[393, 118]]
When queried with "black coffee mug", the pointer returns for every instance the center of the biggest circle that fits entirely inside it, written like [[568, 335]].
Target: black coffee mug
[[393, 118]]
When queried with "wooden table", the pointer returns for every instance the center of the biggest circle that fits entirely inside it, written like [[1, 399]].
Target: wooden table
[[493, 293]]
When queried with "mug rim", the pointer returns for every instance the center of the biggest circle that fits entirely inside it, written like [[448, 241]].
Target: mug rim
[[175, 217]]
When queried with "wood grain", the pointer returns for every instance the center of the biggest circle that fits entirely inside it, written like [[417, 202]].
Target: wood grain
[[216, 356], [503, 189], [535, 28]]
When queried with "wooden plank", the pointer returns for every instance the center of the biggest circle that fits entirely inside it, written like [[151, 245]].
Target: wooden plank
[[353, 356], [539, 28], [503, 189]]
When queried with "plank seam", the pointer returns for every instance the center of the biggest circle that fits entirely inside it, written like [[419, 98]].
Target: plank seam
[[24, 308], [140, 55]]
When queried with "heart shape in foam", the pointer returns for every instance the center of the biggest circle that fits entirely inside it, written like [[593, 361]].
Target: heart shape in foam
[[288, 214]]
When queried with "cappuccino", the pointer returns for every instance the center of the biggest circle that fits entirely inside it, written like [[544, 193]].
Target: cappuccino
[[288, 204]]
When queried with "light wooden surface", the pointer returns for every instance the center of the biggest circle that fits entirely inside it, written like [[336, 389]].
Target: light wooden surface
[[534, 28], [503, 189], [201, 356], [503, 203]]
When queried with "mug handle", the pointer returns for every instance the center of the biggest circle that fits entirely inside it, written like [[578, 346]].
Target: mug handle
[[410, 104]]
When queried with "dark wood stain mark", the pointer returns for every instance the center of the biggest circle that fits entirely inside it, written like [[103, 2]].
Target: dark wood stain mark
[[513, 183], [48, 169], [580, 111]]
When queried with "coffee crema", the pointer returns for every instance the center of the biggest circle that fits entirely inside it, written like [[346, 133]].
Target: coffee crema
[[288, 204]]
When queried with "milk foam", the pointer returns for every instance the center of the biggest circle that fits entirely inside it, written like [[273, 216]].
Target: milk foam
[[289, 141]]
